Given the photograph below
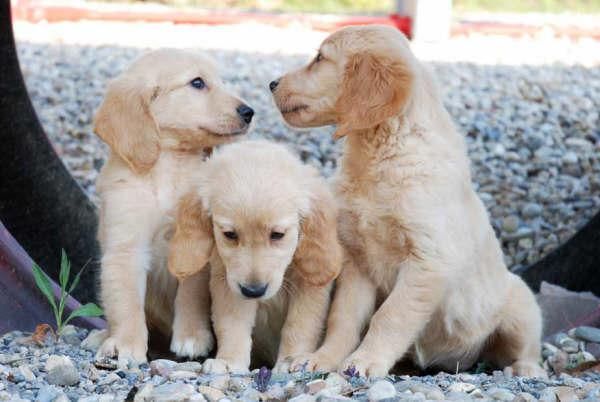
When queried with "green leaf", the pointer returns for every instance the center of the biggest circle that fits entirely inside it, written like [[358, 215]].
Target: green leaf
[[76, 279], [43, 283], [65, 270], [87, 310]]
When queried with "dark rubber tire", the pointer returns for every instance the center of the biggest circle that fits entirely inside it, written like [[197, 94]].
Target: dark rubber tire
[[41, 205]]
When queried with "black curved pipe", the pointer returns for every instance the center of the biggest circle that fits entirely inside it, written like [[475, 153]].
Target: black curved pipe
[[574, 265], [40, 203]]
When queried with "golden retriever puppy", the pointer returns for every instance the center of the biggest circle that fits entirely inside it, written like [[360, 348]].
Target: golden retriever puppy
[[160, 118], [268, 223], [424, 268]]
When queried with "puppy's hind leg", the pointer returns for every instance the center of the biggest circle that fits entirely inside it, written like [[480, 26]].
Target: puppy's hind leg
[[516, 343]]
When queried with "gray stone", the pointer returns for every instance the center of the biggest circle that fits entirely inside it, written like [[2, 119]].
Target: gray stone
[[531, 210], [162, 367], [27, 373], [172, 392], [303, 398], [61, 371], [589, 334], [47, 393], [315, 386], [510, 224], [501, 394]]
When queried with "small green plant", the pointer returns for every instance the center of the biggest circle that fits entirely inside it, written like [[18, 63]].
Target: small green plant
[[43, 283]]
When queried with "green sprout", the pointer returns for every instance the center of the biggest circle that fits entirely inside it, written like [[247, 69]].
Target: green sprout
[[43, 283]]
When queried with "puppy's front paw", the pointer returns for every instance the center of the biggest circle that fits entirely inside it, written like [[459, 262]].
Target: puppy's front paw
[[130, 352], [317, 361], [524, 368], [220, 366], [282, 366], [192, 344], [367, 366]]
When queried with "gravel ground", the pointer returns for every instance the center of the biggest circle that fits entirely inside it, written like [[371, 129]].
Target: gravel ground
[[529, 108], [48, 370]]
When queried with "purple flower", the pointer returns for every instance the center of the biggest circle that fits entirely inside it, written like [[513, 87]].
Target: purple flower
[[351, 372], [261, 379]]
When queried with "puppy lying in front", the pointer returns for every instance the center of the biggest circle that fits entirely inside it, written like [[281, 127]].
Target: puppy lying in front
[[424, 268], [160, 118], [268, 223]]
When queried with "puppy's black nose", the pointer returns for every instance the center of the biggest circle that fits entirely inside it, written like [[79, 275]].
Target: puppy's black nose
[[245, 112], [253, 291], [273, 85]]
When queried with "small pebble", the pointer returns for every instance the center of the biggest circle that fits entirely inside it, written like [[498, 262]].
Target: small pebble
[[380, 390]]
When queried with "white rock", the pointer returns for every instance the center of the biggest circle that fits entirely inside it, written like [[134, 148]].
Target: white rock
[[501, 394], [27, 373], [381, 389], [172, 392], [181, 375], [461, 387], [189, 366], [145, 392], [336, 380], [303, 398], [210, 393]]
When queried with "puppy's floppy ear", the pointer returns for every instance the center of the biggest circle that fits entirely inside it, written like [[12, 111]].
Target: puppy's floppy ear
[[374, 88], [125, 123], [192, 243], [318, 258]]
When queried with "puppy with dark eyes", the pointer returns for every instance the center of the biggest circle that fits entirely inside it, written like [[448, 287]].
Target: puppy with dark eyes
[[160, 117], [424, 272], [267, 223]]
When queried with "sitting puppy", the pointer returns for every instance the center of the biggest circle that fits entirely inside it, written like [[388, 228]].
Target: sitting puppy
[[424, 265], [270, 223], [159, 118]]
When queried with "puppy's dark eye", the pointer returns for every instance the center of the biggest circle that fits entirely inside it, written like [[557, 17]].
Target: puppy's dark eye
[[277, 235], [198, 83], [231, 235], [319, 57]]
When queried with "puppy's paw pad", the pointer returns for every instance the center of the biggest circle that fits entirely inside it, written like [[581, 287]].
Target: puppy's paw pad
[[199, 344]]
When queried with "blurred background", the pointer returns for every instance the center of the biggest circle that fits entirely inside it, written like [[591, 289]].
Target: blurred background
[[521, 79]]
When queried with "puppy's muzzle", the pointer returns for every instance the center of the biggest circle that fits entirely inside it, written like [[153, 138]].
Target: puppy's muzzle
[[253, 291]]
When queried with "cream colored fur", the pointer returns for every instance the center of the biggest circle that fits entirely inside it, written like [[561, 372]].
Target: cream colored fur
[[273, 223], [159, 129], [424, 273]]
